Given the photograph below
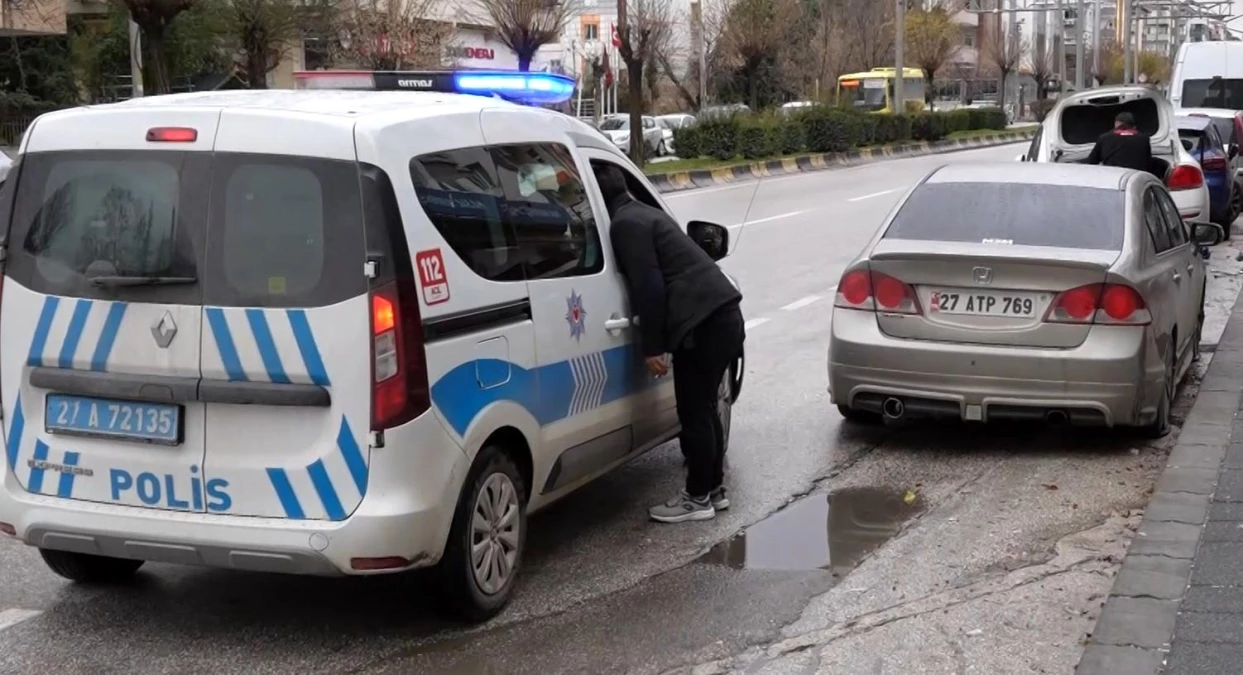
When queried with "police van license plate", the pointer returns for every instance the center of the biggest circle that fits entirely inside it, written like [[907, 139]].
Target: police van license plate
[[982, 303], [106, 418]]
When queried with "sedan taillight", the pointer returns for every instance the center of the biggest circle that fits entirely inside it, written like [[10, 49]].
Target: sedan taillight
[[877, 292], [1116, 304]]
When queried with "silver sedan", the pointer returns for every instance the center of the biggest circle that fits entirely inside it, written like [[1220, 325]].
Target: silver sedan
[[1072, 294]]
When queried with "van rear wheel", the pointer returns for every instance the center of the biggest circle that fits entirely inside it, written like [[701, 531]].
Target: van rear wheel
[[484, 551], [89, 569]]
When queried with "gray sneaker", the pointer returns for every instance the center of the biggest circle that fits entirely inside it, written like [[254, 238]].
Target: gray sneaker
[[719, 498], [683, 508]]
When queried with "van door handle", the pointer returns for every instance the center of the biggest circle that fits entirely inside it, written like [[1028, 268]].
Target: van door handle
[[1191, 268], [1177, 278], [616, 323]]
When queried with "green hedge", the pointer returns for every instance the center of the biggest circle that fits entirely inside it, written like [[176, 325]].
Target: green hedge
[[822, 129]]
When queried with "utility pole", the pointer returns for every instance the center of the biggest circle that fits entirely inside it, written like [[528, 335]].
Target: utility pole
[[697, 45], [1079, 33], [899, 105], [135, 60], [1061, 46], [1096, 41], [1127, 19]]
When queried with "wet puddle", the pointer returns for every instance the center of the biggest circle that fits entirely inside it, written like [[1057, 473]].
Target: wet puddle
[[832, 532]]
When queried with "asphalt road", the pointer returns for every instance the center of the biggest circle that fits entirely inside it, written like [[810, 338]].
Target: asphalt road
[[994, 562]]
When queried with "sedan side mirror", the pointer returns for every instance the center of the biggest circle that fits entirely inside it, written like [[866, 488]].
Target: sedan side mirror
[[712, 238], [1208, 234]]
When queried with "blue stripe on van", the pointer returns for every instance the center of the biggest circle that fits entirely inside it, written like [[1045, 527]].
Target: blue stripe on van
[[39, 343], [353, 456], [327, 493], [35, 484], [64, 489], [547, 392], [306, 344], [267, 347], [77, 322], [15, 434], [286, 495], [108, 337], [224, 343]]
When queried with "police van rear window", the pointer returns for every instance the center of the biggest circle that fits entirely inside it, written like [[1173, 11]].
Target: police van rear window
[[226, 229]]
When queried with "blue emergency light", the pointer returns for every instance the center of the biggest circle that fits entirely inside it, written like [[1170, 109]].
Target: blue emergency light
[[511, 85]]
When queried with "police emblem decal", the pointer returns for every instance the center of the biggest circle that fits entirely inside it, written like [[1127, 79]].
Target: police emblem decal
[[575, 314]]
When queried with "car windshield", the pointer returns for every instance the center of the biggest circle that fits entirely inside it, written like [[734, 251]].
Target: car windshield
[[615, 124], [1064, 216]]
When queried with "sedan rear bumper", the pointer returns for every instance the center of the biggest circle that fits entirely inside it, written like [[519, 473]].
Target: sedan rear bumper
[[1106, 380]]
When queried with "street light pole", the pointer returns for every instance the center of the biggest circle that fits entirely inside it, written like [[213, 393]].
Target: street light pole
[[1127, 18], [899, 105], [1061, 47], [1079, 69]]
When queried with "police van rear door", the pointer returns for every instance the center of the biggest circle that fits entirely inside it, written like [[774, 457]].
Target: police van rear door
[[101, 314], [287, 341]]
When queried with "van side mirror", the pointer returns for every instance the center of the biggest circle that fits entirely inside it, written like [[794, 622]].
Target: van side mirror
[[1207, 234], [1233, 151], [712, 238]]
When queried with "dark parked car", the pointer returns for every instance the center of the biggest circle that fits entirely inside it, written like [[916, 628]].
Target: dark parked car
[[1200, 137]]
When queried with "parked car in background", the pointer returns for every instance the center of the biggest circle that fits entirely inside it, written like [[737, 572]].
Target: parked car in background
[[1070, 294], [1229, 125], [1208, 75], [792, 107], [714, 111], [1071, 129], [678, 120], [1199, 137], [666, 141], [617, 129]]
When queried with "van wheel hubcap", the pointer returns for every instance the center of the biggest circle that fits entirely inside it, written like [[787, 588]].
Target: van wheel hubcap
[[495, 534]]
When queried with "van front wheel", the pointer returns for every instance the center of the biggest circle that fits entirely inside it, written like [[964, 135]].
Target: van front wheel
[[89, 569], [484, 552]]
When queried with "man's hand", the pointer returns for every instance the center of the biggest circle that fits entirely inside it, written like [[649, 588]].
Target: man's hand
[[657, 366]]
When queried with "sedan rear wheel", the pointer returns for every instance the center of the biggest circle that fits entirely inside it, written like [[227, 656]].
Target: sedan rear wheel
[[1160, 426]]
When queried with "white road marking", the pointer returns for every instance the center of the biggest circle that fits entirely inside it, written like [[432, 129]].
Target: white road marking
[[874, 194], [755, 323], [769, 219], [12, 617], [801, 303]]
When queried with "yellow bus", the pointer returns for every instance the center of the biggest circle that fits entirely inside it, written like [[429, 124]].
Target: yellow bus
[[873, 90]]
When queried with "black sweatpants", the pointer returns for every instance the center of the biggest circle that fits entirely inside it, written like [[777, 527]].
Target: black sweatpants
[[698, 368]]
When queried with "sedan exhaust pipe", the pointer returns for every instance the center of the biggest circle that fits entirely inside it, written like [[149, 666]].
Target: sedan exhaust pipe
[[893, 408], [1056, 417]]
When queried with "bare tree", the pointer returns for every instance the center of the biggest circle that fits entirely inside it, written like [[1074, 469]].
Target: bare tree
[[153, 18], [686, 80], [1043, 67], [526, 25], [931, 39], [1005, 55], [392, 34], [643, 27], [263, 30], [756, 31]]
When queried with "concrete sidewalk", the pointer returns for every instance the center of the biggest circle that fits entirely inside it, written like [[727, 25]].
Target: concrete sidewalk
[[1176, 606]]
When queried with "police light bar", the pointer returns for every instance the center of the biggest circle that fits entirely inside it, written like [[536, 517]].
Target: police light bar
[[515, 86]]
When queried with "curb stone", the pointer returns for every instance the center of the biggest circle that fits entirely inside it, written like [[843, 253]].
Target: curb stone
[[1136, 625], [700, 178]]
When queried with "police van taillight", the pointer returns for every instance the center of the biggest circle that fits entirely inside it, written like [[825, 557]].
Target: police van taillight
[[398, 370]]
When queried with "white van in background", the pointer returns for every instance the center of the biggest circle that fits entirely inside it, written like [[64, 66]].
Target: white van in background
[[1208, 75]]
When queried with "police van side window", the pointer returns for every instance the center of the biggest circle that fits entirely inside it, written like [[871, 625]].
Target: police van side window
[[547, 205], [511, 212]]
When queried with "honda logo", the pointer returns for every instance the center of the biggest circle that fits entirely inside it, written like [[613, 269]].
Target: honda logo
[[982, 276]]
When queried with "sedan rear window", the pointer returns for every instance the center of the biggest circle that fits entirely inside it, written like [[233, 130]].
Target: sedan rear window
[[1016, 214]]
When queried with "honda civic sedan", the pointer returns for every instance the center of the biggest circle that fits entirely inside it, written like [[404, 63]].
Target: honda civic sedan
[[1067, 293]]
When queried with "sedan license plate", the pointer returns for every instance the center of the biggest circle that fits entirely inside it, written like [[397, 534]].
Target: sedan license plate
[[106, 418], [983, 303]]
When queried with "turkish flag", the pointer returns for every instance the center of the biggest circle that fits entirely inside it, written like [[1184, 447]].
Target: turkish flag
[[616, 35], [608, 70]]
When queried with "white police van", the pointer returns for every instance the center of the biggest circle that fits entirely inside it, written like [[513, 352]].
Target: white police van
[[316, 332]]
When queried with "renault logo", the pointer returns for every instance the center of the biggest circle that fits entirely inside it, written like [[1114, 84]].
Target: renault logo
[[164, 331], [982, 276]]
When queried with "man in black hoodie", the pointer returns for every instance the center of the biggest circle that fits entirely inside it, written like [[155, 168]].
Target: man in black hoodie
[[1123, 147], [688, 307]]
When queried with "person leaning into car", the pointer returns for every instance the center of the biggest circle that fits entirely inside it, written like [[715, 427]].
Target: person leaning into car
[[1124, 147]]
